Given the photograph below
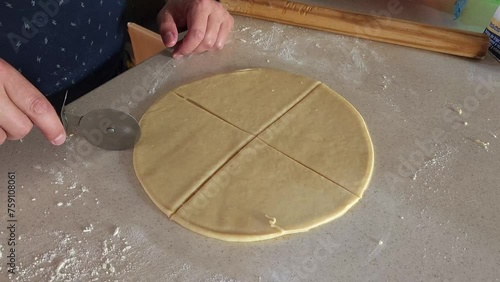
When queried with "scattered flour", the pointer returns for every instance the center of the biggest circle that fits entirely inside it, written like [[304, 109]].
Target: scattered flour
[[58, 175], [75, 192], [354, 69], [76, 259], [483, 144], [88, 229], [219, 278], [59, 178], [117, 232], [346, 57], [435, 166], [386, 81], [159, 76], [288, 52], [273, 42]]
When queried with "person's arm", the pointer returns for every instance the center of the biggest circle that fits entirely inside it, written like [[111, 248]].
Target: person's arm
[[207, 22], [22, 106]]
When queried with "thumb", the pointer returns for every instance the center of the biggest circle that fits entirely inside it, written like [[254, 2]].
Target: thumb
[[167, 27]]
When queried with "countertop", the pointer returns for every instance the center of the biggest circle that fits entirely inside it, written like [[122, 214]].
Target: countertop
[[431, 211]]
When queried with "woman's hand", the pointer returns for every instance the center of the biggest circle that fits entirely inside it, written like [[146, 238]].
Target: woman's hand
[[207, 22], [22, 106]]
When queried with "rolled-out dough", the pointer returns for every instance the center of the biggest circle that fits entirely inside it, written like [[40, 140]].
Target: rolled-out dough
[[253, 154]]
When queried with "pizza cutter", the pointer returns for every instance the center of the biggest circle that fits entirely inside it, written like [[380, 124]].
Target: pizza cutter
[[105, 128]]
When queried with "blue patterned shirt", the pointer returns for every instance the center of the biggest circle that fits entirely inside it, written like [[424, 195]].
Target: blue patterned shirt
[[59, 44]]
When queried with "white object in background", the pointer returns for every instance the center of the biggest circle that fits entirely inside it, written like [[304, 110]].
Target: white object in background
[[493, 31]]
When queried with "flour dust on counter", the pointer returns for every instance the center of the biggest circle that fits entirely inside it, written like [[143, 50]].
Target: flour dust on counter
[[347, 58], [178, 270], [386, 81], [436, 165], [159, 75], [65, 194], [275, 39], [481, 138], [66, 255], [58, 175], [88, 229], [428, 175], [77, 257], [483, 144], [66, 184]]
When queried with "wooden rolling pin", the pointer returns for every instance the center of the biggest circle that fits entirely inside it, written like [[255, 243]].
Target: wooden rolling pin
[[389, 30]]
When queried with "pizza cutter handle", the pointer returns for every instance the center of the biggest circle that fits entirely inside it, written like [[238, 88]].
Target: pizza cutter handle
[[70, 122]]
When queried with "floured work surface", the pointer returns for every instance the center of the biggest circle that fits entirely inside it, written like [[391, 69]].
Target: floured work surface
[[253, 155]]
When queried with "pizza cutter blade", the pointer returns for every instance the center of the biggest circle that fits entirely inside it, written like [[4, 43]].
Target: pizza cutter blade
[[105, 128]]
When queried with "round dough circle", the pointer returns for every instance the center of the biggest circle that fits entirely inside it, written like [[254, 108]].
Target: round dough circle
[[253, 154]]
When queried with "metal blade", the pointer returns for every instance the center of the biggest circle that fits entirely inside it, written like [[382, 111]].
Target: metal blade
[[110, 129]]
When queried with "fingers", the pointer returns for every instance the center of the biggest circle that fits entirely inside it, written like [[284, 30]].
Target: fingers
[[14, 123], [42, 114], [224, 31], [3, 136], [211, 34], [197, 20], [168, 28], [207, 21], [34, 106]]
